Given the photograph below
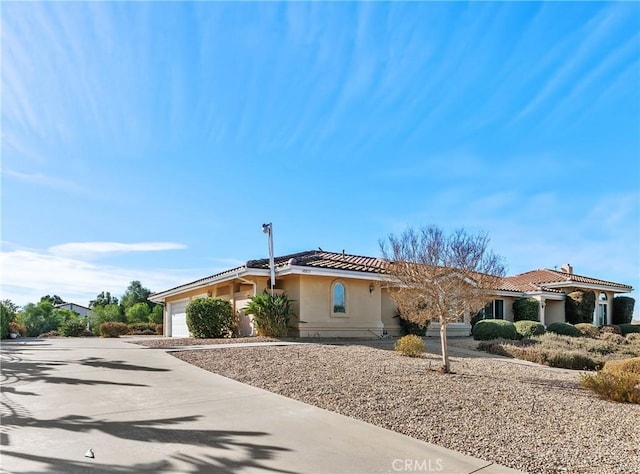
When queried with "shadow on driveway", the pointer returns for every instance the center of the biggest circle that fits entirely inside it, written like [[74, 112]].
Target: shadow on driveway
[[155, 431]]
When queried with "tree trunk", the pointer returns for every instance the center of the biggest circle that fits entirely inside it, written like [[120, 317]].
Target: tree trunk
[[443, 342]]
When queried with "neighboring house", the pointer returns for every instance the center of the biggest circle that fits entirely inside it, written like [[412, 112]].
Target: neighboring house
[[76, 308], [336, 294], [550, 288]]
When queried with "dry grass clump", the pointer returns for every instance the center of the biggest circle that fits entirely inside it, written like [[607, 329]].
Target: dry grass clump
[[555, 350], [618, 367], [619, 380]]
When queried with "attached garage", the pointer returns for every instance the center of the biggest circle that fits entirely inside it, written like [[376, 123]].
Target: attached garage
[[178, 317]]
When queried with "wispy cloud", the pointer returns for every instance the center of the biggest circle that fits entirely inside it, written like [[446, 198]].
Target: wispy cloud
[[101, 249], [47, 181]]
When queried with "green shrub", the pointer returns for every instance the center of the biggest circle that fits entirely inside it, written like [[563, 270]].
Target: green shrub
[[588, 330], [476, 318], [579, 306], [271, 313], [629, 328], [410, 346], [113, 329], [409, 327], [571, 360], [611, 328], [620, 388], [209, 317], [623, 309], [72, 327], [488, 329], [564, 329], [526, 309], [6, 316], [527, 329]]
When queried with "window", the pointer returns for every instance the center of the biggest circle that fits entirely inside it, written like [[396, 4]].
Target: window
[[494, 310], [339, 299]]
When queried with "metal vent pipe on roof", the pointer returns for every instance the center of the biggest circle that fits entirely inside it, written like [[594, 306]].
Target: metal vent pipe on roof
[[268, 229]]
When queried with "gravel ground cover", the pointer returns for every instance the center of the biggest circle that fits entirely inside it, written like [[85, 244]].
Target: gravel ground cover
[[169, 343], [527, 417]]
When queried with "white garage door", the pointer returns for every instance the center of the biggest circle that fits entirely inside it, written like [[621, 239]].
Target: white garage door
[[179, 319]]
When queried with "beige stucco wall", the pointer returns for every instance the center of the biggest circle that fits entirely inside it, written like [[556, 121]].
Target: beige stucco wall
[[388, 311], [553, 312], [363, 308], [508, 307]]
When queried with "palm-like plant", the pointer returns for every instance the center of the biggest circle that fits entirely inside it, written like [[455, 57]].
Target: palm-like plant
[[271, 313]]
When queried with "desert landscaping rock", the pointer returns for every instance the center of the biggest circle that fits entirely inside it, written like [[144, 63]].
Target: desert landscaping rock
[[523, 416]]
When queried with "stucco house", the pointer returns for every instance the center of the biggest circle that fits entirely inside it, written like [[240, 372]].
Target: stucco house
[[80, 310], [342, 295]]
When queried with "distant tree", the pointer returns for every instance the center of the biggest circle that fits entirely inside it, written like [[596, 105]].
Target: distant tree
[[135, 293], [54, 300], [138, 313], [157, 315], [11, 306], [7, 314], [60, 316], [103, 299], [104, 314], [440, 277], [40, 318]]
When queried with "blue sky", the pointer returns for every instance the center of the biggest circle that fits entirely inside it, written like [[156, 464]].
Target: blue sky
[[150, 140]]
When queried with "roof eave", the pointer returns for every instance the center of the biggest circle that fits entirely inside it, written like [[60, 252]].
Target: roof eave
[[227, 276], [614, 287], [307, 270]]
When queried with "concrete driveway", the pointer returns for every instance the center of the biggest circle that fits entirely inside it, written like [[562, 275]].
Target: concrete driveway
[[141, 409]]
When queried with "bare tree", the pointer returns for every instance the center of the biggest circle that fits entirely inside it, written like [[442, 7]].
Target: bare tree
[[438, 277]]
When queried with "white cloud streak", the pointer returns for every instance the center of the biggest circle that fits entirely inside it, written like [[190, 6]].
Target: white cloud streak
[[29, 274], [99, 249], [47, 181]]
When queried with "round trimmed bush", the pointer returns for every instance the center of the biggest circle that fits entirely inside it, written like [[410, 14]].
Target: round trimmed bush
[[588, 330], [209, 317], [564, 329], [527, 329], [572, 360], [488, 329], [629, 328], [612, 338], [611, 328], [623, 309], [113, 329], [410, 346]]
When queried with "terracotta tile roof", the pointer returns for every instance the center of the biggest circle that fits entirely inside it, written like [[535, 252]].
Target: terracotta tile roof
[[537, 280], [311, 258], [322, 259]]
